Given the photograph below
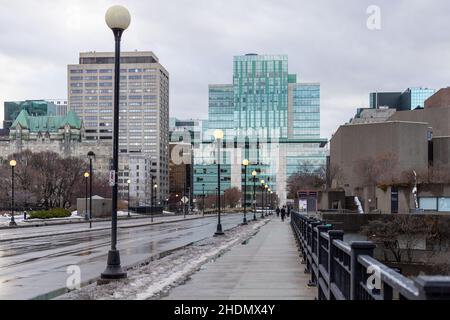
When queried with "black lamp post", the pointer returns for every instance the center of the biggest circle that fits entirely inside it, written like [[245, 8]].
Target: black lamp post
[[118, 19], [13, 164], [155, 187], [218, 134], [128, 184], [86, 177], [91, 156], [270, 201], [262, 198], [245, 163], [254, 175], [266, 188], [203, 199]]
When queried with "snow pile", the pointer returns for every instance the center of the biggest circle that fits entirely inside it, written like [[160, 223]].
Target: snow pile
[[157, 278]]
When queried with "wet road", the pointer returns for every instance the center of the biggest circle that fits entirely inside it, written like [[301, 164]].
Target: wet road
[[32, 267]]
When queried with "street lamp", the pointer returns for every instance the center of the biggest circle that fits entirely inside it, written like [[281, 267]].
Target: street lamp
[[13, 164], [254, 174], [203, 199], [262, 198], [86, 177], [245, 163], [128, 184], [91, 156], [118, 19], [270, 199], [155, 186], [266, 187], [218, 134]]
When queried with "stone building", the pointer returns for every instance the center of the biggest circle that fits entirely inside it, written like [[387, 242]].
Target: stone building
[[63, 135]]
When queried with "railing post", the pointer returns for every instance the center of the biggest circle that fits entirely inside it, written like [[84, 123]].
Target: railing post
[[334, 235], [310, 246], [358, 248], [433, 288], [320, 229]]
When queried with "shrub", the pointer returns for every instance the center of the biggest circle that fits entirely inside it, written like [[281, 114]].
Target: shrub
[[53, 213]]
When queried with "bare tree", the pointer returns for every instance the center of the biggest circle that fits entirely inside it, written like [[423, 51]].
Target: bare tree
[[232, 197], [398, 234], [47, 180], [307, 177]]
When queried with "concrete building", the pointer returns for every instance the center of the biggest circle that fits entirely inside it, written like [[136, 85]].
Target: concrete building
[[62, 106], [370, 115], [376, 161], [144, 115], [268, 118]]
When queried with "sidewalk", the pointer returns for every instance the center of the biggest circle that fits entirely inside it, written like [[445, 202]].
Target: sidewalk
[[266, 268]]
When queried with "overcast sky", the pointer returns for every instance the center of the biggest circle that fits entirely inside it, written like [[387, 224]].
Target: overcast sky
[[327, 42]]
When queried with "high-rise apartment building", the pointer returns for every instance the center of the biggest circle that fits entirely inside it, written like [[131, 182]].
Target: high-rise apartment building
[[269, 119], [144, 115]]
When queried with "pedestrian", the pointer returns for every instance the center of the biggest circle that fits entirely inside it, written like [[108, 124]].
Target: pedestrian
[[288, 211], [283, 213], [278, 211]]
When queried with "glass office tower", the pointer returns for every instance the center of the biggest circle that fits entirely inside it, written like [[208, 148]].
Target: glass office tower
[[33, 107], [268, 118]]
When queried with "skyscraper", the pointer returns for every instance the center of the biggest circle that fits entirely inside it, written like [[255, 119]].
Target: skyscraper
[[268, 118], [144, 115]]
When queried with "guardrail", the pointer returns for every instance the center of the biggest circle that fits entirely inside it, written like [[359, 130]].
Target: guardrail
[[342, 271]]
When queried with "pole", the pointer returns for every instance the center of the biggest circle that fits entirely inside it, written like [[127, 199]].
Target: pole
[[90, 193], [203, 200], [245, 195], [151, 199], [114, 269], [129, 215], [262, 201], [254, 199], [86, 202], [184, 192], [13, 221], [219, 231]]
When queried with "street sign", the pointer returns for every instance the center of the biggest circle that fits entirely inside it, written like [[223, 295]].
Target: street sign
[[112, 178], [185, 200]]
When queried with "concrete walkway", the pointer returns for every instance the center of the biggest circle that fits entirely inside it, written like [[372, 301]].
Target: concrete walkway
[[266, 268]]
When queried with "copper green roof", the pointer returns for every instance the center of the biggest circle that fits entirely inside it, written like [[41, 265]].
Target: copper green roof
[[46, 123]]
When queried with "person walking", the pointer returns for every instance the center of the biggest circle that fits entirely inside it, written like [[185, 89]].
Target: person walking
[[283, 213], [278, 211]]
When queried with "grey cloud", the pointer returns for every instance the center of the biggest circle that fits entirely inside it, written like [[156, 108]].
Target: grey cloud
[[327, 42]]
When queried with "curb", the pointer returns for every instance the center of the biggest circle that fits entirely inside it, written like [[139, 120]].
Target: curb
[[94, 229]]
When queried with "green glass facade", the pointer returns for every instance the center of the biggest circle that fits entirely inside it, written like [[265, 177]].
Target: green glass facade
[[268, 118], [34, 108]]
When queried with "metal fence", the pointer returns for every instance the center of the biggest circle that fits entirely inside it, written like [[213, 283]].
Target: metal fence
[[342, 271]]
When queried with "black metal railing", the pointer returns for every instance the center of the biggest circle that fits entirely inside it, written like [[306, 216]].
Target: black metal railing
[[342, 271]]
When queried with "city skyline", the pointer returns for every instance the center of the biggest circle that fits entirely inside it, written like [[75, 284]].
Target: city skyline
[[357, 60]]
